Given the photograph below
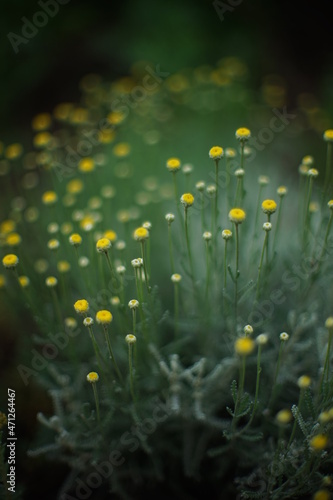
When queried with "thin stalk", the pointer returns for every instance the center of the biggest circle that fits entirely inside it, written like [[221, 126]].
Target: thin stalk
[[203, 223], [306, 216], [328, 168], [96, 401], [207, 270], [130, 363], [326, 237], [238, 191], [257, 386], [216, 193], [110, 265], [176, 305], [277, 226], [57, 307], [143, 254], [96, 349], [134, 320], [240, 390], [237, 272], [107, 338], [276, 374], [189, 248], [176, 195], [172, 262], [326, 371], [300, 400], [264, 248], [225, 263]]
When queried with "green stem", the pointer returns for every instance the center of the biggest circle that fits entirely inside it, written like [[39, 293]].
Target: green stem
[[96, 401], [130, 363], [328, 168], [240, 389], [326, 238], [172, 262], [257, 385], [300, 399], [56, 306], [207, 271], [176, 309], [326, 371], [144, 265], [203, 224], [107, 338], [189, 249], [225, 263], [236, 273], [276, 374], [306, 217], [134, 319], [264, 247], [278, 220], [96, 348]]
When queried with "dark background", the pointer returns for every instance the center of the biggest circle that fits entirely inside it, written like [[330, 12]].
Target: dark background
[[289, 38]]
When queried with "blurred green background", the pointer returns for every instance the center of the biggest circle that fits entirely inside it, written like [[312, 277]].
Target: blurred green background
[[288, 38]]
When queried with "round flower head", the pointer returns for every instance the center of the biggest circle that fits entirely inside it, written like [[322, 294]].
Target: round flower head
[[282, 191], [283, 417], [74, 186], [230, 153], [304, 382], [53, 244], [173, 164], [49, 198], [120, 245], [141, 234], [211, 189], [237, 215], [51, 281], [303, 169], [115, 301], [103, 317], [169, 218], [216, 153], [103, 245], [136, 263], [176, 278], [24, 281], [269, 206], [330, 204], [92, 377], [226, 234], [243, 134], [319, 442], [263, 180], [308, 160], [63, 266], [110, 235], [248, 330], [328, 135], [121, 270], [244, 346], [187, 169], [75, 239], [284, 336], [262, 339], [13, 239], [81, 306], [200, 186], [130, 339], [133, 304], [187, 199], [313, 172], [88, 321], [207, 235], [313, 207], [322, 495], [324, 417], [329, 323], [267, 226], [86, 165], [84, 261], [70, 323], [239, 173], [7, 226], [10, 261], [53, 228]]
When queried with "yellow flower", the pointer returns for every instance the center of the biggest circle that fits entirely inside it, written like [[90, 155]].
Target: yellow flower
[[87, 223], [308, 160], [216, 153], [13, 151], [86, 165], [75, 239], [103, 245], [106, 136], [329, 323], [92, 377], [53, 244], [244, 346], [81, 306], [173, 164], [10, 261], [63, 266], [319, 442], [269, 206], [75, 186], [13, 239], [237, 215], [176, 278], [243, 134], [24, 281], [141, 234], [121, 149], [41, 121], [110, 235], [330, 204], [187, 199], [115, 117], [328, 135], [304, 382], [7, 226], [51, 281], [70, 322], [103, 317], [284, 416], [62, 110], [130, 339], [133, 304], [230, 153], [313, 172], [263, 180], [49, 198], [322, 495], [282, 191], [42, 139]]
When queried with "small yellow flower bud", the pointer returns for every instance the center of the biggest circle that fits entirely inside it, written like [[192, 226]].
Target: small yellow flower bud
[[103, 317], [130, 339], [244, 346], [92, 377]]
